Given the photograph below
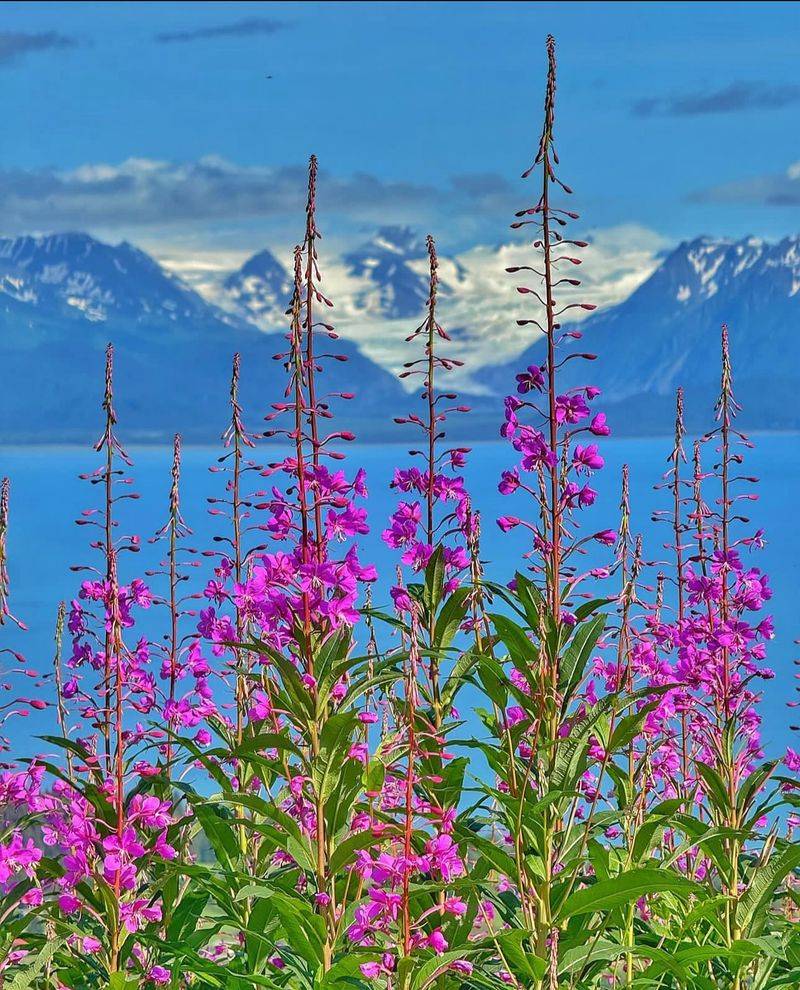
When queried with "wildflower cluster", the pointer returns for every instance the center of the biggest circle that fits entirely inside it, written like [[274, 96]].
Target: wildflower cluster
[[553, 780]]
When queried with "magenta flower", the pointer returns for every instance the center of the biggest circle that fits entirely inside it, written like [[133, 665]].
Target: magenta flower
[[137, 913], [509, 482], [587, 458], [437, 941], [571, 408], [530, 380]]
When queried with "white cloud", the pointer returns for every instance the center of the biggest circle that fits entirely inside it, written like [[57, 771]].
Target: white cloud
[[142, 191]]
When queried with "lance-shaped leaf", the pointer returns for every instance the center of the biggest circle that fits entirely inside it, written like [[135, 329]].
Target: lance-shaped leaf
[[334, 746], [576, 656], [754, 903], [624, 889]]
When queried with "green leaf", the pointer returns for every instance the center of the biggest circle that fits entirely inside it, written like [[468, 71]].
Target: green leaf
[[651, 829], [449, 619], [499, 858], [334, 745], [434, 581], [304, 930], [714, 787], [582, 611], [264, 740], [218, 831], [463, 666], [523, 963], [429, 970], [520, 648], [187, 914], [70, 744], [299, 697], [577, 654], [755, 780], [756, 899], [627, 728], [33, 968], [121, 981], [493, 681], [576, 959], [374, 776], [531, 600], [623, 889]]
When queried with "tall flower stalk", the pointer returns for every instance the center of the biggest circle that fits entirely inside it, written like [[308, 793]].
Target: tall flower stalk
[[173, 532], [235, 505], [556, 465], [295, 602], [105, 830], [5, 584], [12, 708], [432, 532], [58, 672], [421, 530]]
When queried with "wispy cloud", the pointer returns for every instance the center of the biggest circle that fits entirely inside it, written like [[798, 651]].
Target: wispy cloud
[[146, 192], [143, 191], [16, 44], [251, 25], [734, 98], [779, 189]]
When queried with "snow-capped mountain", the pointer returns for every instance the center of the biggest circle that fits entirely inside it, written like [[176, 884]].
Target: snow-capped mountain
[[62, 297], [386, 277], [259, 291], [667, 333], [381, 286], [393, 265], [81, 277]]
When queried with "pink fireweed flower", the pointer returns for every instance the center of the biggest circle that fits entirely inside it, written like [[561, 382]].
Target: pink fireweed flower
[[444, 857], [532, 379], [437, 941], [509, 482], [136, 914], [571, 408], [587, 458]]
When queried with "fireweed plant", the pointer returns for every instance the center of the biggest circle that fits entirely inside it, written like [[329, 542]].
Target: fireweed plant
[[103, 827], [20, 854], [413, 912], [277, 789]]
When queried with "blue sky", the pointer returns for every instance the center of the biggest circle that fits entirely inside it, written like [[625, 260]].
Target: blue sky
[[157, 121]]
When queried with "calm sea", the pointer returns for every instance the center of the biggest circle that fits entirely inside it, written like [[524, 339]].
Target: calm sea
[[46, 498]]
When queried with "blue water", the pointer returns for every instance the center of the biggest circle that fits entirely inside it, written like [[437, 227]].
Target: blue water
[[46, 497]]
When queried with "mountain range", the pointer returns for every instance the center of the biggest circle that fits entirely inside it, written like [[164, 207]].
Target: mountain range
[[63, 296], [667, 333], [385, 277]]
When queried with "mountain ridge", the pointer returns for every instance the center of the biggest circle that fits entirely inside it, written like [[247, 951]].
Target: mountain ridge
[[667, 333], [63, 295]]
